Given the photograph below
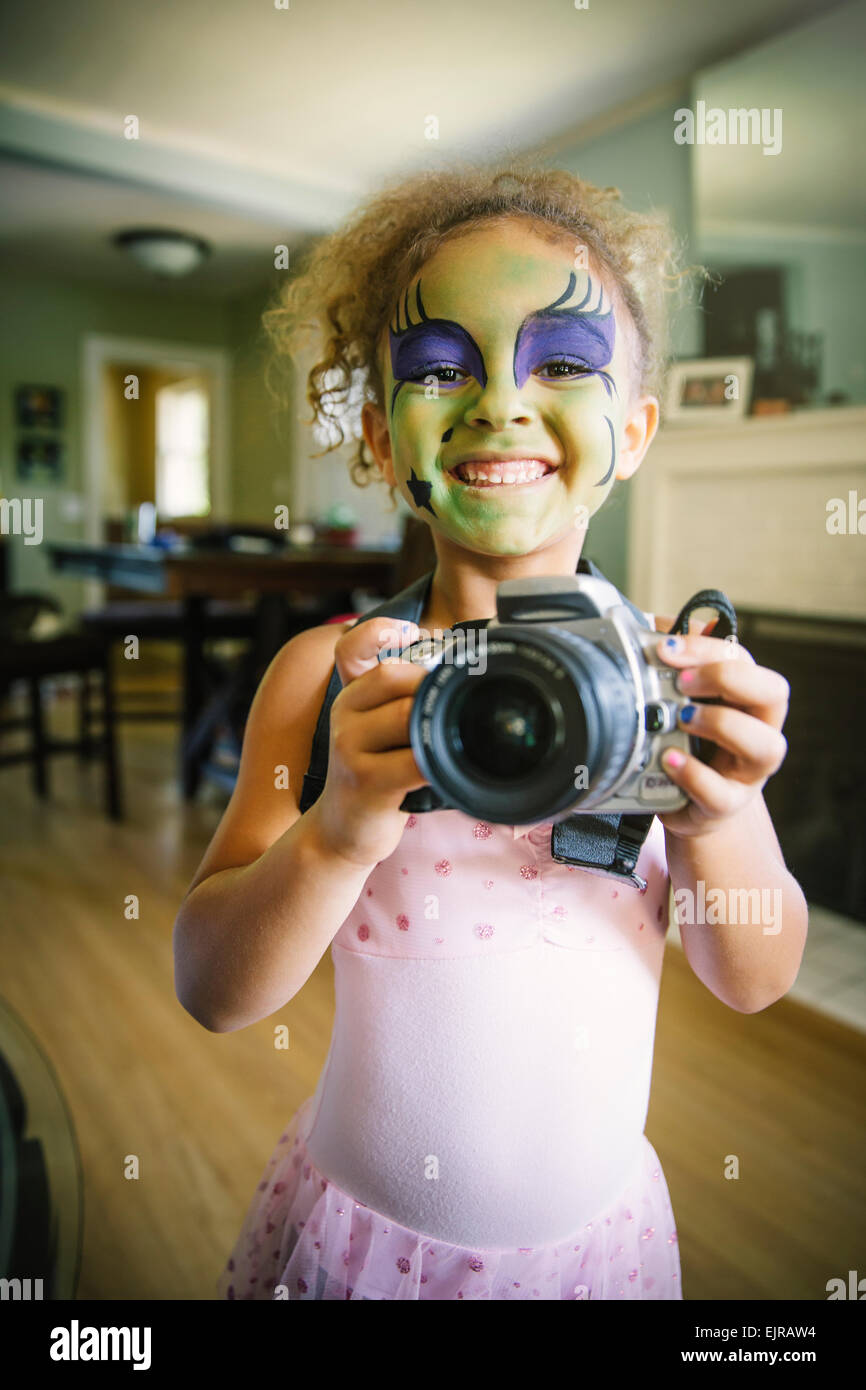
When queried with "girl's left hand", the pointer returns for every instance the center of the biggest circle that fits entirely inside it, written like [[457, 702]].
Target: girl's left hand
[[747, 727]]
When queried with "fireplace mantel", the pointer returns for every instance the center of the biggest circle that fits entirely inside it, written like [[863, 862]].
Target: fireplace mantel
[[743, 507]]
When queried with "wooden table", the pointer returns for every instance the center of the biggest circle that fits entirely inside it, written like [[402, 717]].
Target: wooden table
[[187, 574], [196, 575]]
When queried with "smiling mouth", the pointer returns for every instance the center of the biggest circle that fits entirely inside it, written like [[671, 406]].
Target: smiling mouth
[[512, 473]]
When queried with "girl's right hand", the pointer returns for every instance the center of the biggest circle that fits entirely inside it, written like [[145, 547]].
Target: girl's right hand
[[371, 765]]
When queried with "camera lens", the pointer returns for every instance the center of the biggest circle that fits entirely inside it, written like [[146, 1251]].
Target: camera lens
[[505, 743], [503, 727]]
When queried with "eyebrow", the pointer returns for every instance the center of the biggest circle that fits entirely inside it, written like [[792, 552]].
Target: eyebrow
[[586, 333], [425, 343]]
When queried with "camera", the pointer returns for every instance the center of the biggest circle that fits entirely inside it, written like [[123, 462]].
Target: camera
[[570, 710]]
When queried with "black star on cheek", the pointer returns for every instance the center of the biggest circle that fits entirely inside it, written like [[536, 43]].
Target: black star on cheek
[[420, 492]]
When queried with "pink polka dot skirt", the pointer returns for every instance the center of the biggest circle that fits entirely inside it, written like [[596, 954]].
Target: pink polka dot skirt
[[304, 1238]]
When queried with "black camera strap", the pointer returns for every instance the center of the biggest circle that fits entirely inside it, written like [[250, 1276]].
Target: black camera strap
[[607, 844]]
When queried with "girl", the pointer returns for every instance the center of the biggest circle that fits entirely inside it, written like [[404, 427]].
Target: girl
[[477, 1130]]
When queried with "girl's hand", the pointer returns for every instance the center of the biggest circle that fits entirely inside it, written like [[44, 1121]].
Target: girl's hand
[[371, 765], [747, 727]]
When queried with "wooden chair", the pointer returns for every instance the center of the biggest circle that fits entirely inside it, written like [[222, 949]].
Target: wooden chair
[[26, 656]]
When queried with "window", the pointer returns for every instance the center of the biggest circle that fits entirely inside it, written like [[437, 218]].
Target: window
[[182, 446]]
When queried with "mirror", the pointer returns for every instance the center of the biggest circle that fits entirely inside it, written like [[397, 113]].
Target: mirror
[[779, 191]]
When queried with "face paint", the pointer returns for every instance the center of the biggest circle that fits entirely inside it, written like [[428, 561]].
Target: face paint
[[582, 335], [420, 348], [511, 351]]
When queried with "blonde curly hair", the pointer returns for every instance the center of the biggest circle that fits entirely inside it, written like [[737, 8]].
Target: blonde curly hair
[[350, 281]]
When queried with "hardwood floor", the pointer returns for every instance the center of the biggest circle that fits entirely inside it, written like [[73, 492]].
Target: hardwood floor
[[780, 1090]]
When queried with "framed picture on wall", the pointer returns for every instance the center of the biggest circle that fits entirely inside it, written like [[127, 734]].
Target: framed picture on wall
[[709, 390], [39, 460], [38, 407]]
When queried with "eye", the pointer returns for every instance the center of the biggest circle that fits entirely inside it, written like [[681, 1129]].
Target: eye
[[441, 371], [572, 367]]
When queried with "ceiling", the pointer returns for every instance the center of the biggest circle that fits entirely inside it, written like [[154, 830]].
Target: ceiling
[[261, 126]]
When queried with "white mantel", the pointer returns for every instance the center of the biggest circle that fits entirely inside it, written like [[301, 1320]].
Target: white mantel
[[743, 507]]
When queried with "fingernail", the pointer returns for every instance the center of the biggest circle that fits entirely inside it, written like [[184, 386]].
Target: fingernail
[[685, 677], [673, 644], [687, 713], [673, 758]]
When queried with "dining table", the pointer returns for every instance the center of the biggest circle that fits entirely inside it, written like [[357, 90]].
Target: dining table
[[197, 575]]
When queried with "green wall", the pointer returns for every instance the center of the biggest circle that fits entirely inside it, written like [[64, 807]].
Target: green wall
[[261, 475]]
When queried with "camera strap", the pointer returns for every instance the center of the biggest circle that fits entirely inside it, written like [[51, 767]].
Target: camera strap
[[607, 844]]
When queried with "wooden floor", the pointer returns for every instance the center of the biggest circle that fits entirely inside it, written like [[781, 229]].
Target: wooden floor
[[781, 1090]]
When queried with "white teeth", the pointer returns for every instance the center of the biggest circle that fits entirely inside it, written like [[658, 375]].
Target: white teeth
[[491, 474]]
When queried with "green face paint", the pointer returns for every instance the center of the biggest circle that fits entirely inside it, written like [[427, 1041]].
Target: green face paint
[[501, 345]]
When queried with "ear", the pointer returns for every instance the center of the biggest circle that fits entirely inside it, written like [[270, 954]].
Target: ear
[[378, 439], [638, 433]]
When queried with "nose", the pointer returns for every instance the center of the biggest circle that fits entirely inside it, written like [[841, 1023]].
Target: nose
[[501, 403]]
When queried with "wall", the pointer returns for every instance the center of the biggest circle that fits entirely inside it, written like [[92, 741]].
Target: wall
[[262, 440]]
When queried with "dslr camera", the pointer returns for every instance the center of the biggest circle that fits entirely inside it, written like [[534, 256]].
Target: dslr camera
[[570, 711]]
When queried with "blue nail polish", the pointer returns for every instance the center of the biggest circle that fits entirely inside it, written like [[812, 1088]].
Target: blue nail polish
[[687, 713], [672, 643]]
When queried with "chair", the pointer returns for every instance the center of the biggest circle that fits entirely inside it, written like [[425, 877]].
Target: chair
[[27, 656], [230, 706], [163, 620]]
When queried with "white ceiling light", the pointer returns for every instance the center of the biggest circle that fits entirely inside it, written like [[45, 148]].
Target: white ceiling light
[[163, 252]]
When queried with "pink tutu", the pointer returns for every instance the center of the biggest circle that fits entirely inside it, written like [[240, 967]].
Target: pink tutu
[[304, 1238]]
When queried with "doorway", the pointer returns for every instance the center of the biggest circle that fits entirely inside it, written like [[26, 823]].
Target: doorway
[[156, 429]]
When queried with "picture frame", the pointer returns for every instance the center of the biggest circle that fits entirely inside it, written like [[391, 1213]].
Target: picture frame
[[38, 407], [700, 391], [38, 459]]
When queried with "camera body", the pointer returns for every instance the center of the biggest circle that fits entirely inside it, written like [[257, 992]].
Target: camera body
[[570, 711]]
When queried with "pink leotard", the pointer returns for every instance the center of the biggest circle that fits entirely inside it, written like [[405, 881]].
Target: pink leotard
[[495, 1020]]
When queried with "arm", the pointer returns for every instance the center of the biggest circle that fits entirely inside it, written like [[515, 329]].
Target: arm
[[269, 895], [747, 964], [743, 917], [275, 887]]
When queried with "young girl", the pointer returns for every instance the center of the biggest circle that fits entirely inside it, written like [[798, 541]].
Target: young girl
[[477, 1130]]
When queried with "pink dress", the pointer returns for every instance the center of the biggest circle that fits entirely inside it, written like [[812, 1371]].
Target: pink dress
[[477, 1129]]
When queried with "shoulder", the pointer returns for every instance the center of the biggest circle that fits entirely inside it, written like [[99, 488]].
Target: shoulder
[[313, 643], [298, 675]]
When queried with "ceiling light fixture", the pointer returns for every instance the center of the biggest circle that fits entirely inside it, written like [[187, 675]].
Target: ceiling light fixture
[[162, 251]]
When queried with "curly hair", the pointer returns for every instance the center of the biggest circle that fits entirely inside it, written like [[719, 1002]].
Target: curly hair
[[350, 281]]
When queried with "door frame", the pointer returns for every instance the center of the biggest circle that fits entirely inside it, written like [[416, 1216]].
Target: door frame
[[99, 349]]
